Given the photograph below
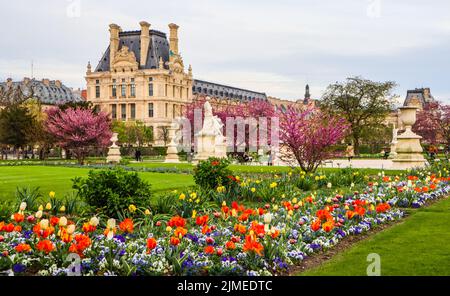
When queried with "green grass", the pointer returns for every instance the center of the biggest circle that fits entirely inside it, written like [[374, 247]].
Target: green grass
[[418, 246], [58, 179]]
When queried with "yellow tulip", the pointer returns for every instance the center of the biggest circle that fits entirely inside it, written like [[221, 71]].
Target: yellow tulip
[[168, 229], [147, 212], [51, 194], [294, 200], [41, 208], [253, 189], [182, 196], [132, 208], [62, 221], [71, 229], [62, 209], [194, 214], [48, 206], [44, 224]]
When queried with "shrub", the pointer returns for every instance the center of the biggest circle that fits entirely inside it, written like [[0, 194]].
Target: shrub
[[113, 191], [213, 172]]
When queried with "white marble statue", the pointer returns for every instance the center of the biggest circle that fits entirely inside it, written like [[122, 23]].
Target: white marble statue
[[210, 140]]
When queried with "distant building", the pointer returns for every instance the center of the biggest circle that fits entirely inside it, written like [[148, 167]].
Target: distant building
[[142, 76], [418, 97], [48, 92]]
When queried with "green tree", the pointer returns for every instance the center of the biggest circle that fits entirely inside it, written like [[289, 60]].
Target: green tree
[[16, 124], [363, 103]]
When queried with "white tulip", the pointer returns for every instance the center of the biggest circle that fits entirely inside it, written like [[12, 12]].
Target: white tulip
[[71, 229], [267, 218], [23, 206], [62, 221], [44, 224], [94, 221], [38, 214], [111, 223]]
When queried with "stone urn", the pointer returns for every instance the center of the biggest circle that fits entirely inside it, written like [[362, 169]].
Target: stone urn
[[114, 150], [408, 149]]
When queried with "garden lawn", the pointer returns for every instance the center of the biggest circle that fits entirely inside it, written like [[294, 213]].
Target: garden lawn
[[418, 246], [58, 179]]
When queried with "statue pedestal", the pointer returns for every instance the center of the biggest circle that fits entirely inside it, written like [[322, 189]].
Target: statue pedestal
[[114, 151], [172, 151], [210, 140], [408, 149], [207, 147]]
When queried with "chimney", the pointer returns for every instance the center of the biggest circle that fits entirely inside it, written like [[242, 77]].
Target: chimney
[[114, 42], [173, 38], [46, 82], [145, 41], [58, 83]]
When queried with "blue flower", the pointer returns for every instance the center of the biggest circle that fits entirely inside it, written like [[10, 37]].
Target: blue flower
[[19, 268]]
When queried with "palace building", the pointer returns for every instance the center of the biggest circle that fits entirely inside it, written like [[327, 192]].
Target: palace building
[[47, 92], [142, 76]]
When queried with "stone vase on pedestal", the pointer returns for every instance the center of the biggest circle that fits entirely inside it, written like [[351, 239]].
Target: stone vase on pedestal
[[172, 151], [408, 149], [114, 151]]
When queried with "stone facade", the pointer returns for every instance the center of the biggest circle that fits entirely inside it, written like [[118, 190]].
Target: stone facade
[[141, 77]]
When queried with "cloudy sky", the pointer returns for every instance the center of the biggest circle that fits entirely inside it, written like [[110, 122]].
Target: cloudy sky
[[270, 46]]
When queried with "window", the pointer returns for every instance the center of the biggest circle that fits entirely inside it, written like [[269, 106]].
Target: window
[[97, 91], [165, 91], [133, 90], [150, 109], [123, 111], [133, 111], [114, 111], [123, 90], [114, 89], [173, 91], [150, 89], [167, 109]]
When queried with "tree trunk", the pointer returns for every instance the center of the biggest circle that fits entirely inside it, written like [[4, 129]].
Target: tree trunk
[[356, 145]]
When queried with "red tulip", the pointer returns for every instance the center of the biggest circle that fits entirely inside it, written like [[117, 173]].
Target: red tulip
[[219, 251], [213, 227], [31, 219], [209, 240], [158, 223], [1, 238]]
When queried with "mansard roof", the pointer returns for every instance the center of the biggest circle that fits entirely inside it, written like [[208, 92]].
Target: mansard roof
[[202, 87], [49, 92], [422, 94], [159, 47]]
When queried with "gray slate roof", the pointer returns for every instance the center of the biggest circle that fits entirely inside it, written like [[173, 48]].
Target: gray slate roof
[[51, 94], [223, 91], [420, 94], [159, 47]]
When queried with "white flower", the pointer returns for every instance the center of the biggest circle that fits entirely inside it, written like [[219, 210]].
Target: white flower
[[71, 229], [329, 185], [94, 221], [23, 206], [267, 218], [111, 223], [44, 224], [62, 221], [38, 214]]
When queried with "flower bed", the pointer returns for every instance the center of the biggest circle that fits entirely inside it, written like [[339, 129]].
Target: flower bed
[[231, 239]]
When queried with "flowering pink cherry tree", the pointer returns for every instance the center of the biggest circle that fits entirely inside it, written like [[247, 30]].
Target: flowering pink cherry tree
[[433, 123], [79, 130], [307, 136]]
